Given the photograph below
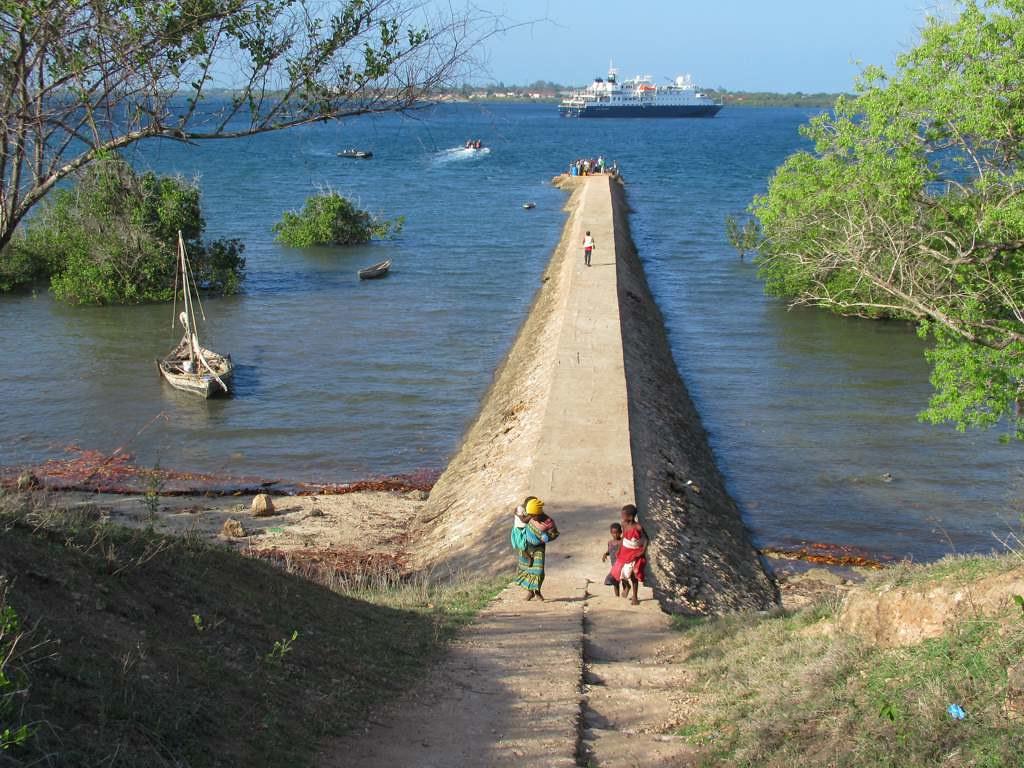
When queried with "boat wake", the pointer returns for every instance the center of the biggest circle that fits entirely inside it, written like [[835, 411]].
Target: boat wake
[[460, 154]]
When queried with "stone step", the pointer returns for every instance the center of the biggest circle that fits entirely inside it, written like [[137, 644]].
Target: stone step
[[632, 710], [602, 748], [624, 674]]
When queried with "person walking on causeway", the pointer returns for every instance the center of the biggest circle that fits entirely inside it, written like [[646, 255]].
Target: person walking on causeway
[[531, 532], [588, 248]]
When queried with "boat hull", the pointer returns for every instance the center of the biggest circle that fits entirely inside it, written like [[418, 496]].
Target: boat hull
[[203, 384], [376, 271], [680, 110]]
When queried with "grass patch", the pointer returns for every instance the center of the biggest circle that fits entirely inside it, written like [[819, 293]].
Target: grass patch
[[785, 690], [955, 569], [173, 652]]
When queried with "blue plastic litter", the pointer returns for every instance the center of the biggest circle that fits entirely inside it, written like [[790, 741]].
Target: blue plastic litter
[[956, 712]]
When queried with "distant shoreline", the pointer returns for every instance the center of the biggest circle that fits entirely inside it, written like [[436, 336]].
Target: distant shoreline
[[525, 95]]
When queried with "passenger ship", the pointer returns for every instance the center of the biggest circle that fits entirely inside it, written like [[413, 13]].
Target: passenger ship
[[638, 97]]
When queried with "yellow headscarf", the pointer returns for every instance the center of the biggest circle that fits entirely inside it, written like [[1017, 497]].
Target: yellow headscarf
[[534, 507]]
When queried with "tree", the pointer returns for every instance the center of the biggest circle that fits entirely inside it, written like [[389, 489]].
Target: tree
[[911, 206], [330, 219], [743, 237], [112, 238], [80, 78]]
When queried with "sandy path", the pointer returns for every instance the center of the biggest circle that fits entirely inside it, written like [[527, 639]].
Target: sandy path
[[512, 691]]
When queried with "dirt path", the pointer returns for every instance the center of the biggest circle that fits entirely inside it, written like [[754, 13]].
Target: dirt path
[[572, 679]]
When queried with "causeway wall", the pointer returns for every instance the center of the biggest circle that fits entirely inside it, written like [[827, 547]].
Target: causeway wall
[[588, 411]]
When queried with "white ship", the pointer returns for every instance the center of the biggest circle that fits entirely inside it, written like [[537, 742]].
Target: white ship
[[639, 97]]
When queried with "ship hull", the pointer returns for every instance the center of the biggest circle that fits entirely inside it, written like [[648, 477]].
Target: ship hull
[[682, 110]]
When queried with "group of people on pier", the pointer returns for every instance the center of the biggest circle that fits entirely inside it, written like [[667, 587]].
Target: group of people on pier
[[533, 529], [590, 166]]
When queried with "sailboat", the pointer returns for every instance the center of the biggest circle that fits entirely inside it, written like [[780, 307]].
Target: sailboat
[[191, 367]]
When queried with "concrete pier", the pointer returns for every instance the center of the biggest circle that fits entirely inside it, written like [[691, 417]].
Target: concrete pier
[[587, 412]]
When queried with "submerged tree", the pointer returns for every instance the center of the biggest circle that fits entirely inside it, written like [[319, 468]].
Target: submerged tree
[[743, 237], [331, 219], [79, 78], [911, 206], [111, 238]]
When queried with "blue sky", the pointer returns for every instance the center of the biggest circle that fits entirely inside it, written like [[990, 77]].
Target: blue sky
[[776, 45]]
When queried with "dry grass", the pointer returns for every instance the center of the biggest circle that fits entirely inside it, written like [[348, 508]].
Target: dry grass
[[787, 690], [175, 652]]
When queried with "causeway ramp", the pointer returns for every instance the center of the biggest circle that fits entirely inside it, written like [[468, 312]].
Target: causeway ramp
[[587, 412]]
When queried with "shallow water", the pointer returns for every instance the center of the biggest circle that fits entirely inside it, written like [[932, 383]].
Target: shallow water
[[339, 379]]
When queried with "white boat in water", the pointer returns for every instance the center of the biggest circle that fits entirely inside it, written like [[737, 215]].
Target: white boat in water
[[639, 97], [190, 366]]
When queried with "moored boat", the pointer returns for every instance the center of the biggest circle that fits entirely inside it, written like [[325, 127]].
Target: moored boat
[[191, 367], [377, 270]]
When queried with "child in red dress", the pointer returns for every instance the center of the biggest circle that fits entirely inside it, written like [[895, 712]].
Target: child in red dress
[[631, 560]]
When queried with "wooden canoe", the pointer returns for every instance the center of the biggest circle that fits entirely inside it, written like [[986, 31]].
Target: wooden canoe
[[377, 270]]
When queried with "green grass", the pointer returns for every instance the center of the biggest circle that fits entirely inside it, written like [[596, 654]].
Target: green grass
[[787, 690], [165, 651]]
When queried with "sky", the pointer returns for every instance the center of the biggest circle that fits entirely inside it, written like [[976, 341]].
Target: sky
[[757, 45]]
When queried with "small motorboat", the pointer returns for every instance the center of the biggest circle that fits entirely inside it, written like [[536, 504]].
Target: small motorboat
[[356, 154], [377, 270], [474, 144], [529, 206]]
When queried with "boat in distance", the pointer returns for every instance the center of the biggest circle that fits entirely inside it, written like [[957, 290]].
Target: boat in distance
[[638, 97], [377, 270], [356, 154]]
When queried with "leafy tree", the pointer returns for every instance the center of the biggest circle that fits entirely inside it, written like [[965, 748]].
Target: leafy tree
[[330, 219], [911, 206], [112, 238], [80, 78]]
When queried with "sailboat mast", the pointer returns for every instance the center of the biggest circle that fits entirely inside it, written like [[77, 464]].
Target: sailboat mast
[[190, 318]]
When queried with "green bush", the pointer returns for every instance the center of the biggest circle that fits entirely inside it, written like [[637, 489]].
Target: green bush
[[112, 238], [20, 267], [330, 219]]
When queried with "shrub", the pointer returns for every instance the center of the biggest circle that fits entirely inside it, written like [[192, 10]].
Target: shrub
[[20, 267], [330, 219], [112, 238]]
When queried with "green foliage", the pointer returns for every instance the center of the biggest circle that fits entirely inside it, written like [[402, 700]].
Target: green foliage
[[910, 206], [743, 237], [281, 648], [112, 238], [20, 267], [13, 681], [330, 219]]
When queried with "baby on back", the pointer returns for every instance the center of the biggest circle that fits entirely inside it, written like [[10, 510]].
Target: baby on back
[[531, 526]]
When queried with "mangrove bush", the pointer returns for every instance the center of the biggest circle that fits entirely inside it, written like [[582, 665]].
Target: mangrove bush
[[112, 239], [910, 206], [331, 219]]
